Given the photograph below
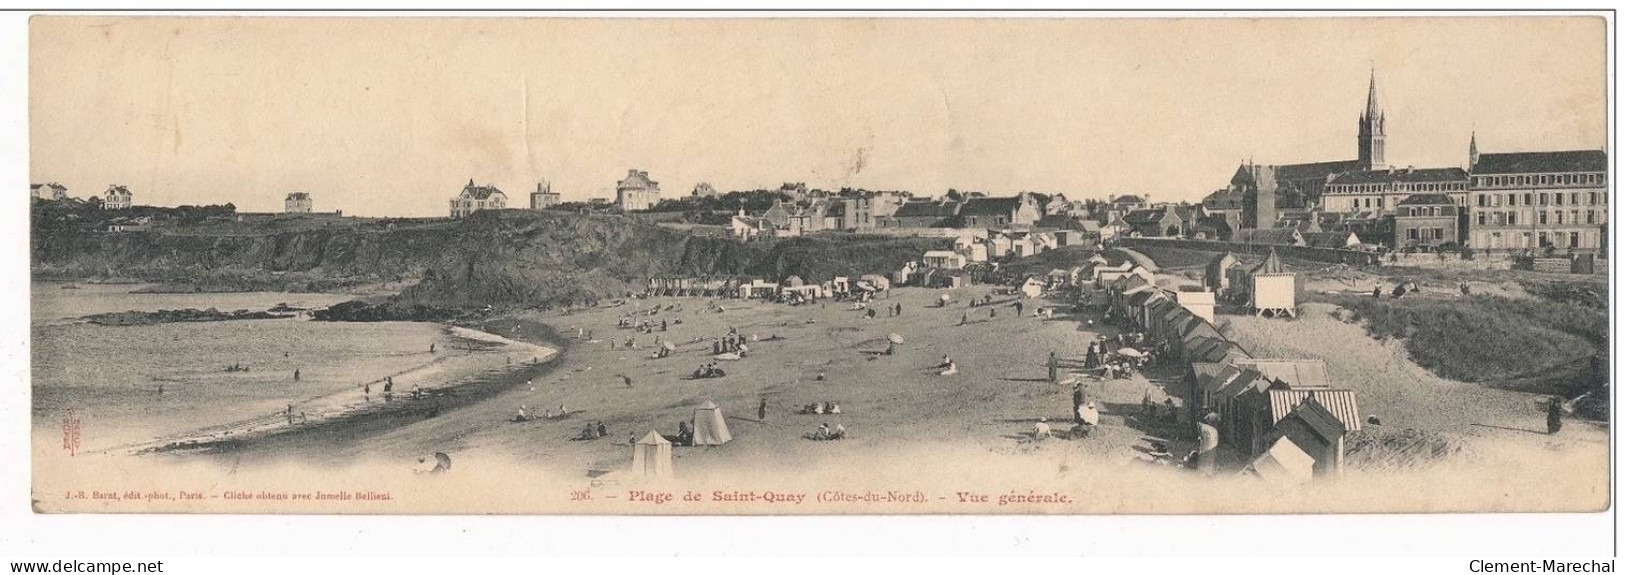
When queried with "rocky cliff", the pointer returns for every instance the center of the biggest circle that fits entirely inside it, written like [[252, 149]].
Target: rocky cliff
[[500, 258]]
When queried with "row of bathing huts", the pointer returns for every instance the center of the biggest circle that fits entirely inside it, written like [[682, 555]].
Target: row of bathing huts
[[1281, 419], [758, 288]]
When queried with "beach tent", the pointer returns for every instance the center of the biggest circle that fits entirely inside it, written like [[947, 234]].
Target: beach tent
[[1283, 464], [710, 428], [651, 456]]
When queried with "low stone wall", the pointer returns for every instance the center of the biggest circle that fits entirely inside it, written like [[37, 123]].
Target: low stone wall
[[1327, 255]]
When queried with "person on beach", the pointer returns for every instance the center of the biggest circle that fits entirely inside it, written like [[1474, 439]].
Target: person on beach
[[964, 318], [366, 391], [1077, 402], [685, 434], [1554, 416], [1207, 444], [1462, 285], [992, 312], [1018, 309], [1041, 429], [1054, 368], [602, 431], [899, 310], [521, 417], [761, 411], [431, 348], [289, 413], [296, 375]]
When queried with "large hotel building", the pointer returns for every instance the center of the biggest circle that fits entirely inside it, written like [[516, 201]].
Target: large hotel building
[[1539, 199]]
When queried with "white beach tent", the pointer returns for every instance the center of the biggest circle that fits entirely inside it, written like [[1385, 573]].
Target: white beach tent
[[651, 456], [710, 428]]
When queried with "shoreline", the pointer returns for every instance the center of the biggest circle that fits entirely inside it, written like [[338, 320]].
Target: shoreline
[[351, 425]]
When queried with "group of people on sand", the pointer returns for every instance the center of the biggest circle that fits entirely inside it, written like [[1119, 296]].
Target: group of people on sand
[[826, 433], [821, 408], [593, 430], [1405, 287], [733, 342], [708, 370], [645, 326], [1111, 365]]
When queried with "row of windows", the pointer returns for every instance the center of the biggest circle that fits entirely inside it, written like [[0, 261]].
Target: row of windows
[[1420, 211], [1542, 198], [1540, 180], [1568, 240], [1542, 217], [1424, 234], [1398, 186]]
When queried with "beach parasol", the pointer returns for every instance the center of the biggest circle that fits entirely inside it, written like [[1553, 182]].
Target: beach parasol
[[668, 345], [945, 298], [894, 338], [1130, 352], [442, 462]]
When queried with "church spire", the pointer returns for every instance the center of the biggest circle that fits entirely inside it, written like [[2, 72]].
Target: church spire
[[1472, 151], [1372, 110], [1373, 133]]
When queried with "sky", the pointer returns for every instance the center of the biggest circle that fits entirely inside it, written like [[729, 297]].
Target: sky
[[393, 115]]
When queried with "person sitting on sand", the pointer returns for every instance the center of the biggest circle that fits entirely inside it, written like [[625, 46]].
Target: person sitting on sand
[[1041, 429], [952, 369], [834, 408], [945, 361], [818, 408], [602, 431], [587, 433], [1089, 414], [819, 377], [521, 416], [685, 435], [823, 431], [839, 432]]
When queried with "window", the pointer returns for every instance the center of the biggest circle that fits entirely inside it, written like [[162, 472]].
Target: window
[[1574, 239], [1410, 234], [1557, 199], [1542, 217], [1528, 198], [1591, 198], [1512, 199], [1591, 216], [1544, 241], [1379, 202], [1574, 216], [1560, 217], [1543, 198], [1483, 201], [1512, 219], [1497, 200], [1438, 234], [1574, 198], [1481, 218]]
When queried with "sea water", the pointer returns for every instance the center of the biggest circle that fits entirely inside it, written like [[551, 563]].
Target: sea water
[[129, 384]]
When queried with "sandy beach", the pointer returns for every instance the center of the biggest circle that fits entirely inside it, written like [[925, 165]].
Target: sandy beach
[[909, 428]]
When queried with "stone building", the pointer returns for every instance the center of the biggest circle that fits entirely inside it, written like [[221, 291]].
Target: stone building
[[1426, 220], [475, 198], [117, 198], [544, 197], [1526, 200], [637, 192], [297, 203]]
